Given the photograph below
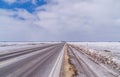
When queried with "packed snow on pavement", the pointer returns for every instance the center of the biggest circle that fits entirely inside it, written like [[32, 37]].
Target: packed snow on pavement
[[107, 53], [5, 46], [112, 48]]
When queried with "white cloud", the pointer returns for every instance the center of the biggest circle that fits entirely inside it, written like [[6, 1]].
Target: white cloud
[[34, 2], [20, 1], [10, 1], [14, 29], [83, 20], [80, 17], [16, 1]]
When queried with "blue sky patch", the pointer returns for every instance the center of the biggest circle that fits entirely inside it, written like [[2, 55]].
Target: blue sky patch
[[29, 6]]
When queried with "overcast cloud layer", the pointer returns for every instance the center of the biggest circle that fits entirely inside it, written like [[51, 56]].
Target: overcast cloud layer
[[69, 20]]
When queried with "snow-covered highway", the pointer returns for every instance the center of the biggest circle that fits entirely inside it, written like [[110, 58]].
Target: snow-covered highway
[[37, 61], [86, 67], [49, 60]]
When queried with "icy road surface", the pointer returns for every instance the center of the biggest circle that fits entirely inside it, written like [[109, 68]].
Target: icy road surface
[[45, 60], [38, 61], [86, 67]]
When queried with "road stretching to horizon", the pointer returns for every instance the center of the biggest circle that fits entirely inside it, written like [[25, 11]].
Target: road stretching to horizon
[[47, 61]]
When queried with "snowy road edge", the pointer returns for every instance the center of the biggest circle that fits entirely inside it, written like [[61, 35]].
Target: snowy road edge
[[55, 72]]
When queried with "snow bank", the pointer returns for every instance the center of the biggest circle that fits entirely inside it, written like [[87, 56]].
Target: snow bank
[[103, 57]]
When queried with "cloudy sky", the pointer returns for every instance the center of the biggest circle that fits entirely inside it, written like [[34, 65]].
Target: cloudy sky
[[58, 20]]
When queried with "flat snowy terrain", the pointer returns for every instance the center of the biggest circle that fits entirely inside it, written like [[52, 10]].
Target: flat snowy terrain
[[5, 46], [105, 53], [45, 59], [113, 48]]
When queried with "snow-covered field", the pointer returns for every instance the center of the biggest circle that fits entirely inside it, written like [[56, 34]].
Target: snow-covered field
[[5, 46], [107, 53], [102, 52], [112, 48]]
